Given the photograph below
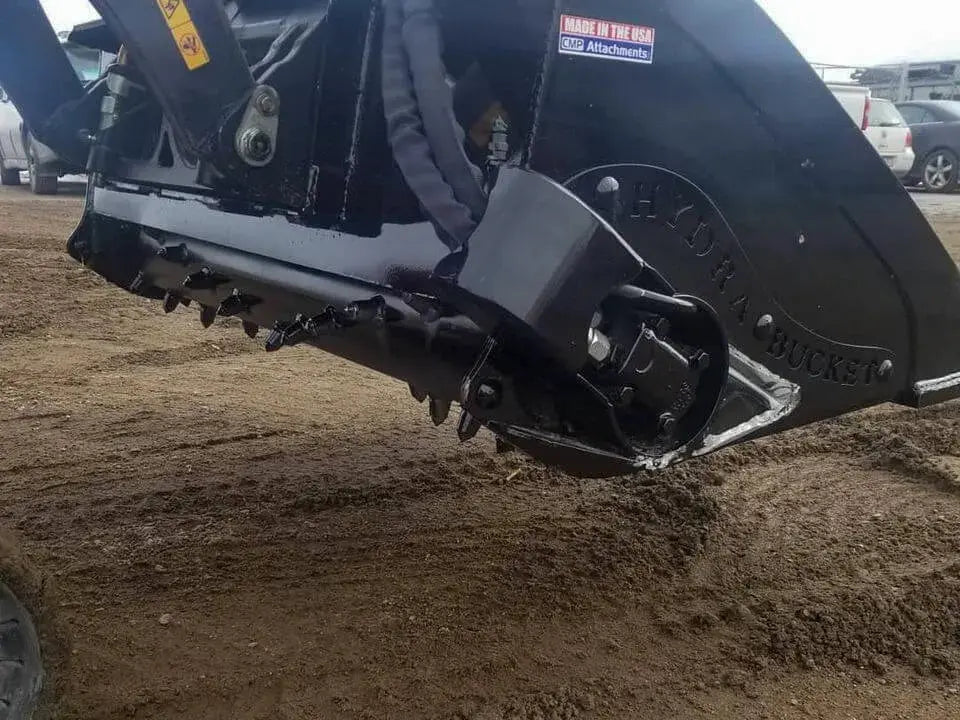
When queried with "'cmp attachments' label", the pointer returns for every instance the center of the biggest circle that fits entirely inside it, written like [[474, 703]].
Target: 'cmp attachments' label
[[606, 39]]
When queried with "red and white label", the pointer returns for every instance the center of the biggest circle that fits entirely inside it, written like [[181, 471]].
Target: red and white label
[[606, 30]]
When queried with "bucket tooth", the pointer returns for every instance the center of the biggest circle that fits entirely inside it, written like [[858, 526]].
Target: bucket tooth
[[374, 309], [274, 340], [171, 301], [204, 279], [237, 303], [430, 311], [322, 324], [285, 334], [208, 314], [175, 254], [418, 394], [251, 329], [468, 427], [439, 410]]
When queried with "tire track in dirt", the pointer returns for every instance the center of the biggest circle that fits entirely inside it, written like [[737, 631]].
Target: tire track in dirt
[[322, 551]]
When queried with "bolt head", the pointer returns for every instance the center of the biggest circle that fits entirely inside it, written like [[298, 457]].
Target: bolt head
[[488, 395], [885, 370], [266, 103], [598, 345], [764, 328], [607, 185], [256, 144]]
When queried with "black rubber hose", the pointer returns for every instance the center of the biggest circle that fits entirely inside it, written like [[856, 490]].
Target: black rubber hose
[[411, 149], [422, 40]]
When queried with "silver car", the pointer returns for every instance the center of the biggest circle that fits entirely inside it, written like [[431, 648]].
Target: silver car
[[20, 151]]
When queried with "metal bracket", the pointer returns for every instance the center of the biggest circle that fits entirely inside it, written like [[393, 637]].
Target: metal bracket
[[256, 140]]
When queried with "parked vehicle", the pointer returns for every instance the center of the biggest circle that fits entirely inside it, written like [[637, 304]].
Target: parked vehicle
[[882, 123], [889, 134], [856, 100], [936, 140], [20, 150]]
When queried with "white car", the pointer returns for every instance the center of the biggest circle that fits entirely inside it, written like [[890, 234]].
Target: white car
[[20, 151], [889, 133], [882, 123]]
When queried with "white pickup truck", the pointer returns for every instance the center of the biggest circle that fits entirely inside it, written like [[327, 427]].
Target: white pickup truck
[[881, 121], [855, 99]]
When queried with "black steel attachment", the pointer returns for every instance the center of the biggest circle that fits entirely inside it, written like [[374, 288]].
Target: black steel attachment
[[541, 225]]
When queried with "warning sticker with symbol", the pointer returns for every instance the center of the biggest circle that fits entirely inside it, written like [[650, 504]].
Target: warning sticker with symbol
[[185, 33]]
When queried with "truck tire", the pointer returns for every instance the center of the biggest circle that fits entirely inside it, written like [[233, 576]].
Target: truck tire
[[40, 183], [33, 649], [9, 177], [941, 171]]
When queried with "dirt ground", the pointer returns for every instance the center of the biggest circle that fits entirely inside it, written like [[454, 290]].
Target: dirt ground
[[234, 535]]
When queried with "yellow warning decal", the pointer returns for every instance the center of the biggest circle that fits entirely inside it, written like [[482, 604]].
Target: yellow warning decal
[[184, 32]]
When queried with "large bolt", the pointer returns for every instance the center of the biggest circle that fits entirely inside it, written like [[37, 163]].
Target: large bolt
[[608, 185], [256, 145], [488, 395], [608, 197], [266, 103], [598, 345]]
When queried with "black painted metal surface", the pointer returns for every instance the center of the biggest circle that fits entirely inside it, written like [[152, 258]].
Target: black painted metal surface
[[727, 256], [196, 69], [816, 222]]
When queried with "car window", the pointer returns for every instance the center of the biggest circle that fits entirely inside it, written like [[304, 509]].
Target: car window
[[85, 61], [912, 114], [949, 110], [884, 113]]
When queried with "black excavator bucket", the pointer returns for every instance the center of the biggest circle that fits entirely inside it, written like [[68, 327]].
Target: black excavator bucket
[[618, 234]]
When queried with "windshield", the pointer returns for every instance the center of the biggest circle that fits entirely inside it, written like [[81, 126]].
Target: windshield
[[885, 114], [86, 62]]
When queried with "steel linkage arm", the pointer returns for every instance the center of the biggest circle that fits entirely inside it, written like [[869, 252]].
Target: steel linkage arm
[[192, 63]]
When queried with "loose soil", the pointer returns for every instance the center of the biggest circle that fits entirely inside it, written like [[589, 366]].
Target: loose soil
[[227, 534]]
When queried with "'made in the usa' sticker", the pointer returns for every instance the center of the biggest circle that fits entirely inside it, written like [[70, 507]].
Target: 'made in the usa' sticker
[[606, 39]]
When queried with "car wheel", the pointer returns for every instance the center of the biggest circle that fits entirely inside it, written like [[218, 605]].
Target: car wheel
[[9, 177], [40, 183], [941, 171]]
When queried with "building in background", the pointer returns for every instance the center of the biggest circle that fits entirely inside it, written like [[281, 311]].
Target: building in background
[[938, 80]]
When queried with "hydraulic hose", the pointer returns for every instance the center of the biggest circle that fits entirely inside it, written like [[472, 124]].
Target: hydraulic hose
[[421, 38], [421, 126]]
